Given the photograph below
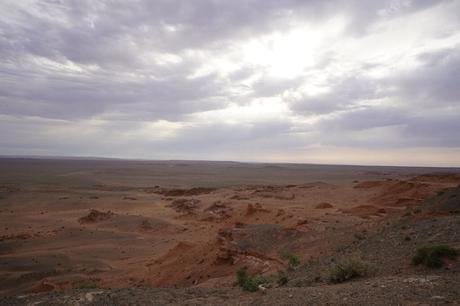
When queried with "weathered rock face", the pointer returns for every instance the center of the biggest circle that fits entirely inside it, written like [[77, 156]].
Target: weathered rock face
[[280, 212], [255, 246], [96, 216], [226, 248], [253, 209], [185, 206], [323, 205], [230, 253], [217, 212], [184, 192], [400, 193]]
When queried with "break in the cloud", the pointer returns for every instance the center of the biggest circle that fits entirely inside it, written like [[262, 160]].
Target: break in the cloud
[[363, 82]]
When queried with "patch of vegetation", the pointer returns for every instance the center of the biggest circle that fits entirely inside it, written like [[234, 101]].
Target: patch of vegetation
[[292, 259], [282, 278], [347, 269], [88, 284], [250, 283], [432, 256]]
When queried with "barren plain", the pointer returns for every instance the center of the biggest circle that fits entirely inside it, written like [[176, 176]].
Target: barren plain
[[131, 228]]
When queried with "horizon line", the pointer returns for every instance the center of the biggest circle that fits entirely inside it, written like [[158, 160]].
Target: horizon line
[[90, 157]]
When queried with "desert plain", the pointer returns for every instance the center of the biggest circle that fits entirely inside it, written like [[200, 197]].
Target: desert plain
[[191, 225]]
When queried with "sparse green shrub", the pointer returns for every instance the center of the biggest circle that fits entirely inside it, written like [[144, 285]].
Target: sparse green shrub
[[282, 278], [88, 284], [431, 256], [292, 259], [241, 276], [347, 269], [249, 283]]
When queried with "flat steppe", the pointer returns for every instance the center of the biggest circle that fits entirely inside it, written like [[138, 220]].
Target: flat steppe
[[134, 228]]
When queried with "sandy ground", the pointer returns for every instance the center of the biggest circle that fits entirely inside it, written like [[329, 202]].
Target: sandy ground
[[186, 224]]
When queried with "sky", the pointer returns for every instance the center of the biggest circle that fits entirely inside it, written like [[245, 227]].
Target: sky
[[337, 82]]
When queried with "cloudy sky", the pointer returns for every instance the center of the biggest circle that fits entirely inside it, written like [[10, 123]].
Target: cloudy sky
[[349, 82]]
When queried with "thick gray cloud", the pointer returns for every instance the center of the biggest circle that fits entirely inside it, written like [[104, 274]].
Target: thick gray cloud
[[426, 112], [436, 82], [72, 96], [197, 79], [100, 28], [344, 93], [391, 127]]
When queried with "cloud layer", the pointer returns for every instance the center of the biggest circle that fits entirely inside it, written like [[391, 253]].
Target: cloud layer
[[362, 82]]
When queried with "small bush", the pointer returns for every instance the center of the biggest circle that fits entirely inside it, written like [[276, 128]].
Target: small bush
[[88, 284], [292, 259], [282, 278], [241, 276], [249, 283], [348, 269], [431, 256]]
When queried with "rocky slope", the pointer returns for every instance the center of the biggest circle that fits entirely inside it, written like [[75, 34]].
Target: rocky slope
[[386, 247]]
